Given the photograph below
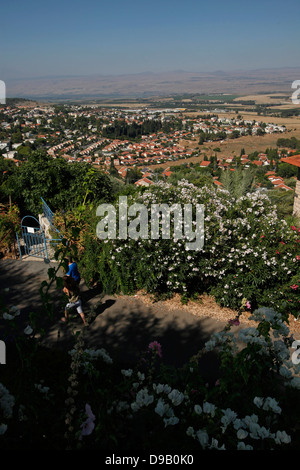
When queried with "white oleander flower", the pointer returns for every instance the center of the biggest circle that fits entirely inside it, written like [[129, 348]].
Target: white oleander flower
[[28, 330], [241, 434], [202, 437], [7, 316], [209, 408], [161, 407], [176, 397], [190, 431], [198, 409], [215, 443], [162, 388], [243, 446], [3, 428], [171, 421], [143, 398], [7, 401], [282, 437], [229, 417]]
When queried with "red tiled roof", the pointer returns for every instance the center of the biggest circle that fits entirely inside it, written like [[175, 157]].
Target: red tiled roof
[[295, 160], [145, 180], [284, 186]]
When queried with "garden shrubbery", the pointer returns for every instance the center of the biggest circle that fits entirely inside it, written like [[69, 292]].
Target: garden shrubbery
[[248, 252], [82, 399], [9, 225]]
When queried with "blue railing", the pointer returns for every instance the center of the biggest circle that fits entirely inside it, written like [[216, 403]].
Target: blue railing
[[49, 214], [33, 237]]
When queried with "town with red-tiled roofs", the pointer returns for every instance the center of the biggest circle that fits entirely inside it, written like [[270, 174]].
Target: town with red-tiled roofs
[[140, 138]]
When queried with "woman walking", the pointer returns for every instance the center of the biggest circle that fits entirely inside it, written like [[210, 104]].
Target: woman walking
[[71, 289]]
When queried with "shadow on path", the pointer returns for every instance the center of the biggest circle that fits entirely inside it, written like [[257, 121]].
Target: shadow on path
[[123, 326]]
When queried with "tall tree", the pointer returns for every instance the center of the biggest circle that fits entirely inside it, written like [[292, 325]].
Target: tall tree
[[61, 184]]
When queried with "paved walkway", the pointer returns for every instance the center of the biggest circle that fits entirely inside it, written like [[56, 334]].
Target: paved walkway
[[124, 326]]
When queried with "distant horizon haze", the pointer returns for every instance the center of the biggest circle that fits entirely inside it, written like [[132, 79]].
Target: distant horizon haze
[[149, 84], [152, 72]]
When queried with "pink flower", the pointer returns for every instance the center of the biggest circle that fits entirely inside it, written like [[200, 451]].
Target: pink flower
[[248, 305], [88, 425], [155, 346]]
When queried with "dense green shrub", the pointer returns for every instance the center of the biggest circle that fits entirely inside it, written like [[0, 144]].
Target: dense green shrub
[[248, 252]]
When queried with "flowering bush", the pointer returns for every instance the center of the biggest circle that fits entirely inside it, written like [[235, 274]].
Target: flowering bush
[[98, 404], [151, 407], [7, 402], [9, 225], [249, 260], [248, 251]]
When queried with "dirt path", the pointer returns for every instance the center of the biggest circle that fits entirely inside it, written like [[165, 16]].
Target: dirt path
[[123, 325], [206, 307]]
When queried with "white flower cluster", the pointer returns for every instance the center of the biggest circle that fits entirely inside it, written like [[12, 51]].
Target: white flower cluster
[[267, 404], [202, 436], [251, 335], [94, 354], [163, 408], [277, 344], [43, 390], [174, 407], [163, 405], [142, 399], [234, 236], [7, 402], [287, 368], [220, 339], [13, 312], [274, 318], [247, 427], [165, 411], [127, 372]]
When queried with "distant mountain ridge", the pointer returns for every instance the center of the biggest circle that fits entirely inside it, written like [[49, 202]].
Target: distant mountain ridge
[[147, 84]]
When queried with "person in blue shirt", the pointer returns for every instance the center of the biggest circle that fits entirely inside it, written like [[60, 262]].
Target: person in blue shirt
[[73, 270]]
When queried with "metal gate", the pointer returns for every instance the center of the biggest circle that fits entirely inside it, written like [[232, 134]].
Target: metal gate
[[33, 238]]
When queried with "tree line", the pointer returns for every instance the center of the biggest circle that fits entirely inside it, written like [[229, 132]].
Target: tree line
[[62, 185]]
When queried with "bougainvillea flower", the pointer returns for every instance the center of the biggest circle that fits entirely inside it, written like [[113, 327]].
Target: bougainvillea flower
[[155, 346]]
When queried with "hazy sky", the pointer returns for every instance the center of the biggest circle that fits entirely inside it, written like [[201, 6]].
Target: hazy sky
[[40, 38]]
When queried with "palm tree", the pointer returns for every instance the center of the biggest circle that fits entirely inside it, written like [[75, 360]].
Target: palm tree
[[238, 182]]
